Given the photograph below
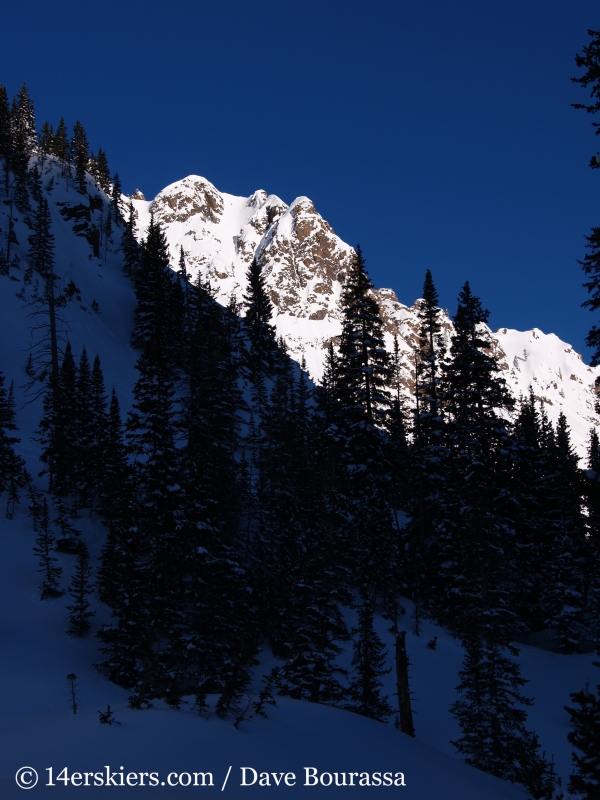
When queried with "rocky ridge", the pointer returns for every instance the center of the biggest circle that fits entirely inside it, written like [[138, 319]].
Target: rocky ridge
[[305, 265]]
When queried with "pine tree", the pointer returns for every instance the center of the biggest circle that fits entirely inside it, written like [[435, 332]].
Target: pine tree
[[110, 455], [46, 139], [591, 494], [153, 285], [590, 60], [5, 135], [259, 312], [492, 720], [80, 154], [369, 665], [585, 737], [24, 139], [530, 491], [84, 457], [429, 457], [152, 437], [567, 550], [476, 553], [129, 245], [35, 183], [80, 590], [102, 171], [41, 259], [13, 475], [364, 370], [311, 672], [60, 144], [117, 190], [591, 268], [44, 547]]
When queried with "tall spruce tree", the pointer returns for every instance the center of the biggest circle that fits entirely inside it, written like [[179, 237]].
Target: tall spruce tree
[[589, 61], [259, 312], [566, 595], [363, 376], [44, 549], [5, 136], [129, 245], [368, 662], [60, 145], [80, 153], [492, 720], [363, 372], [429, 457], [24, 140], [13, 474], [476, 553], [585, 738], [80, 589]]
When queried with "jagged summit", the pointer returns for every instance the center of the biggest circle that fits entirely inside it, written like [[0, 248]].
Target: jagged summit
[[305, 265]]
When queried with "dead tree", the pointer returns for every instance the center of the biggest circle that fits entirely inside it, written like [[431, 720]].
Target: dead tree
[[404, 707]]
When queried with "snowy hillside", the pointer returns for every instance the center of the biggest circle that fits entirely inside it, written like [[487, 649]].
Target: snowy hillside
[[304, 263], [39, 729]]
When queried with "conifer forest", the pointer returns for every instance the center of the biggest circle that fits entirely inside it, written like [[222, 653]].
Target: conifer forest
[[246, 506]]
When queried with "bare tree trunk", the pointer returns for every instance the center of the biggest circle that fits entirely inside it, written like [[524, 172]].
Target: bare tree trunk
[[404, 708]]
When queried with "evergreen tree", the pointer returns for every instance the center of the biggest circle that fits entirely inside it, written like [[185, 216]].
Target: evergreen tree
[[259, 312], [117, 190], [46, 139], [80, 154], [590, 61], [153, 287], [35, 183], [41, 259], [363, 376], [60, 144], [13, 475], [44, 548], [567, 550], [591, 493], [5, 135], [58, 433], [80, 590], [129, 642], [85, 432], [364, 370], [591, 268], [369, 665], [129, 245], [475, 543], [24, 139], [110, 453], [429, 458], [102, 171], [311, 672], [530, 490], [492, 720], [585, 737], [152, 437]]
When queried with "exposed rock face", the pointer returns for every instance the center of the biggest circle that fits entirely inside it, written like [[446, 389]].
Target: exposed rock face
[[305, 265], [186, 199]]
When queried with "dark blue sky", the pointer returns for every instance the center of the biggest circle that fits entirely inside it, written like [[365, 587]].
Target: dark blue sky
[[438, 135]]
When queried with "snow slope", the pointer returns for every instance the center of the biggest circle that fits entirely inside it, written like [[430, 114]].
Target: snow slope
[[40, 730]]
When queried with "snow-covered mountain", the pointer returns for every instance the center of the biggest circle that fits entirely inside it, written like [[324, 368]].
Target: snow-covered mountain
[[305, 265]]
